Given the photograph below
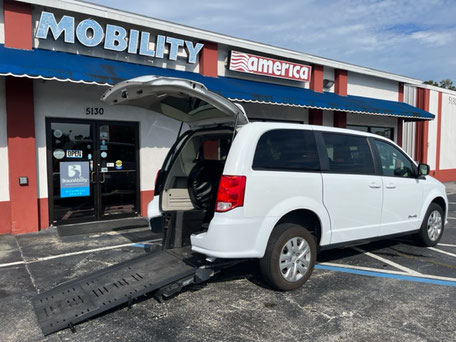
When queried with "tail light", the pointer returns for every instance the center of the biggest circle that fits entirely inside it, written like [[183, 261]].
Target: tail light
[[230, 193]]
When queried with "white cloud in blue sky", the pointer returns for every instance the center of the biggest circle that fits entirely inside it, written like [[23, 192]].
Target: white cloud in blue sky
[[413, 38]]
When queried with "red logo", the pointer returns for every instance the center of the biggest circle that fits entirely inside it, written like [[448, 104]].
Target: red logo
[[252, 64]]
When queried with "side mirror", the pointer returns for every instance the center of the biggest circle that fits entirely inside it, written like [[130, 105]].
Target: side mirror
[[423, 169]]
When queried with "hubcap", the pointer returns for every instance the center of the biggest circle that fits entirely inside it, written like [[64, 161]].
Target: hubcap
[[295, 259], [434, 225]]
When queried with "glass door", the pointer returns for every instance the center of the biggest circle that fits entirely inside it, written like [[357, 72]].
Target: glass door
[[117, 169], [70, 163], [93, 170]]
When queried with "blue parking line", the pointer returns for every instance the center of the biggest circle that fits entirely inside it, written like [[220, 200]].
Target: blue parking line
[[387, 275], [141, 245]]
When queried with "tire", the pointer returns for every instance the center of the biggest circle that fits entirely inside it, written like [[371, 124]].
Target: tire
[[274, 270], [431, 230]]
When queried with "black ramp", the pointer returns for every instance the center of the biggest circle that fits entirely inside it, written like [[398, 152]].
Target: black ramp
[[80, 299]]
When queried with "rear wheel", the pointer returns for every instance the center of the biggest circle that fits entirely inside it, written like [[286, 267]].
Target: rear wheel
[[289, 258], [431, 230]]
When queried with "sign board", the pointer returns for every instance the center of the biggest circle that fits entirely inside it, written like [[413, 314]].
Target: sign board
[[253, 64], [74, 179], [91, 33]]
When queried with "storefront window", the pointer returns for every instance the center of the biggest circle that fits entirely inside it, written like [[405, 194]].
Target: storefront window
[[387, 132]]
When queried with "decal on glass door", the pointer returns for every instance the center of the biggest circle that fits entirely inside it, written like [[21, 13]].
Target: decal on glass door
[[74, 179]]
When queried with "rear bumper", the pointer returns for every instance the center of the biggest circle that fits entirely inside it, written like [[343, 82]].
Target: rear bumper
[[231, 235]]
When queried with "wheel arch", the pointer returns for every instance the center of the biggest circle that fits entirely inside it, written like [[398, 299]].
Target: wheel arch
[[316, 216], [305, 217]]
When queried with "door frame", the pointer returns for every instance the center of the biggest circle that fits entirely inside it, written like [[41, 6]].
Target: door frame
[[96, 158]]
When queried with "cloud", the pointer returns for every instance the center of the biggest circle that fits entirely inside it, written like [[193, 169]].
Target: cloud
[[416, 38]]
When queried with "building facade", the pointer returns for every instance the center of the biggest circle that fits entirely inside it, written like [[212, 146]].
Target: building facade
[[68, 158]]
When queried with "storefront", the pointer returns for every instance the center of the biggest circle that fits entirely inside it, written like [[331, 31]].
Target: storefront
[[71, 159]]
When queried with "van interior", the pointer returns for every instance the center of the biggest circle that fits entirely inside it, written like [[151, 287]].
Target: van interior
[[189, 184]]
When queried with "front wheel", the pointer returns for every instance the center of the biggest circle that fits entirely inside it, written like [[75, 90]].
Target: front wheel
[[431, 230], [289, 258]]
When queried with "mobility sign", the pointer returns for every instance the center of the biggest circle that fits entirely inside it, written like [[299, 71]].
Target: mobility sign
[[74, 179], [116, 38], [253, 64]]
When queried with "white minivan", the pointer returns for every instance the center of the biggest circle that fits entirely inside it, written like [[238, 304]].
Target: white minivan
[[278, 192]]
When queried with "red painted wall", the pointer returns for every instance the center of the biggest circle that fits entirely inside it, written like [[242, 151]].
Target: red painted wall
[[400, 98], [146, 197], [43, 212], [340, 82], [316, 79], [5, 217], [209, 59], [340, 87], [21, 154], [18, 25]]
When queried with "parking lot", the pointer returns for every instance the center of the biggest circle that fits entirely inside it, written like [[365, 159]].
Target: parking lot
[[390, 290]]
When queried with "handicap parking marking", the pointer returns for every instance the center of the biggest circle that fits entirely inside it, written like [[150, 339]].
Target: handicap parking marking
[[374, 272], [386, 261]]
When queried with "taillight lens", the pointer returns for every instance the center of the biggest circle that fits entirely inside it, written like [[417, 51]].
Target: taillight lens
[[230, 193]]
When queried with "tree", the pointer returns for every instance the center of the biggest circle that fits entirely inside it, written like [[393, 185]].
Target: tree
[[446, 83], [431, 82]]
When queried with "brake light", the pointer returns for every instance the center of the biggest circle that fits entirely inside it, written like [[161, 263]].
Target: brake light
[[230, 193]]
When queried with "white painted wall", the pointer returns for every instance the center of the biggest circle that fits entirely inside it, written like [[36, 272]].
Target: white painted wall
[[328, 74], [408, 128], [369, 86], [448, 136], [67, 100], [432, 129], [373, 120], [4, 169], [2, 24], [328, 118]]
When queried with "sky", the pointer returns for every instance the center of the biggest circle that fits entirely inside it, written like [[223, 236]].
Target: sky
[[412, 38]]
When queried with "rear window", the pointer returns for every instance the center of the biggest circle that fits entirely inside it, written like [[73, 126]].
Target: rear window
[[287, 150], [348, 154]]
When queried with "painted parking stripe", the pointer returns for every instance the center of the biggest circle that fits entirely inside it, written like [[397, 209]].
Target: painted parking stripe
[[387, 275], [386, 261], [446, 245], [451, 218], [443, 252], [137, 244]]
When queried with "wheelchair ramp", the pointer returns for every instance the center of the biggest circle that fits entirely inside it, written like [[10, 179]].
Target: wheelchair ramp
[[77, 300]]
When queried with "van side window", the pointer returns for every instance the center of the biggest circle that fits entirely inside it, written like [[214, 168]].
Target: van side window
[[287, 150], [348, 154], [394, 162]]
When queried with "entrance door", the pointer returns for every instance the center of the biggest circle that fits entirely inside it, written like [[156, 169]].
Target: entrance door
[[93, 170]]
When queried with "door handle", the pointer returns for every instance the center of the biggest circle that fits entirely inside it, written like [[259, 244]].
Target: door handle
[[374, 185], [92, 180], [390, 186], [104, 178]]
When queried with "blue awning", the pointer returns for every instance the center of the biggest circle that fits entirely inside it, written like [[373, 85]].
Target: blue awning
[[63, 66]]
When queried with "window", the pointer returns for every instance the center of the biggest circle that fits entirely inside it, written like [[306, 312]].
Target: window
[[348, 154], [394, 162], [287, 150], [387, 132]]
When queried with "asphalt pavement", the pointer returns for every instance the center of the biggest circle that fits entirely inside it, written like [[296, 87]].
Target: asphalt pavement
[[391, 290]]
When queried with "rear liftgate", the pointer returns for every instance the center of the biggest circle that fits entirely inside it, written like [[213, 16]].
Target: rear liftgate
[[165, 272]]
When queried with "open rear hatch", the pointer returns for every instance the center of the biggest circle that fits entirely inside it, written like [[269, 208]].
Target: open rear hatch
[[181, 99]]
